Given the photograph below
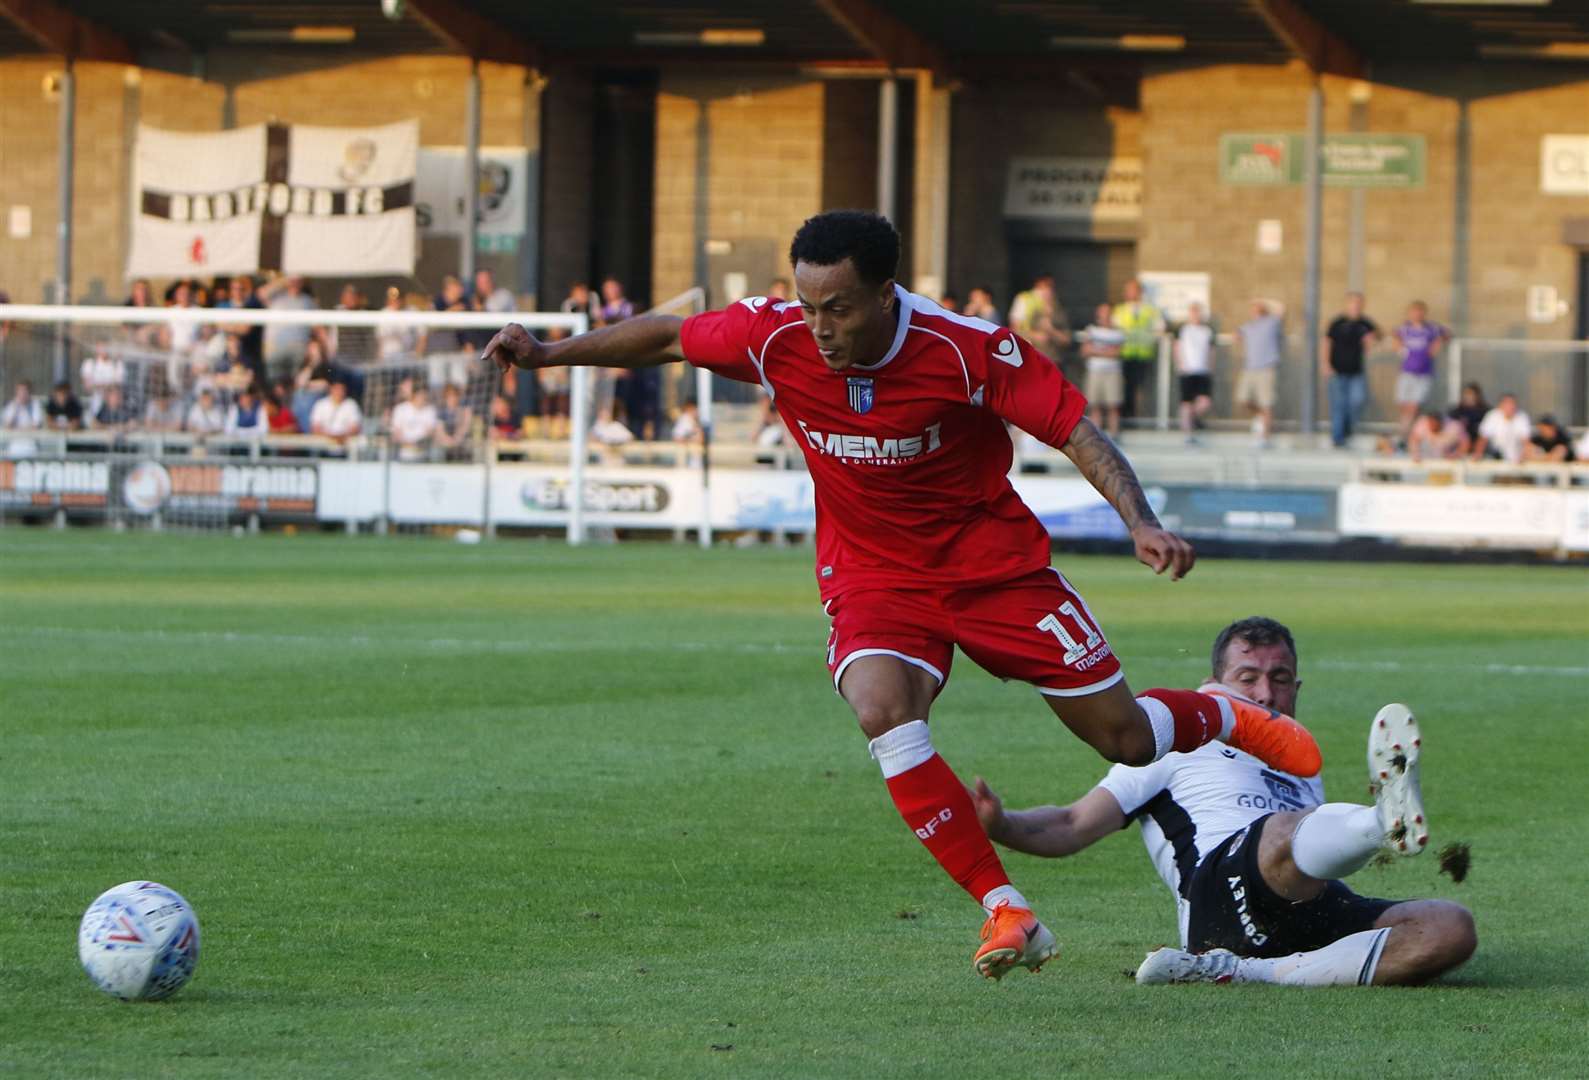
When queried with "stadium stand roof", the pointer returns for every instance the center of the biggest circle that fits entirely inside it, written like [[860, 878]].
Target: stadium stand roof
[[959, 39]]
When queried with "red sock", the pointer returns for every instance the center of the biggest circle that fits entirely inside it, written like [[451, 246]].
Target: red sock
[[934, 803], [1197, 717]]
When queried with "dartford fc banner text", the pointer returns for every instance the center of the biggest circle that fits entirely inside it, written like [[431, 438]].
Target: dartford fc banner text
[[303, 200]]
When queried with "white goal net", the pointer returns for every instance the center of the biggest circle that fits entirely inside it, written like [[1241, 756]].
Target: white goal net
[[224, 418]]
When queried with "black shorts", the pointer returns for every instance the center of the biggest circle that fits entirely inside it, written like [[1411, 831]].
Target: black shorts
[[1196, 386], [1233, 908]]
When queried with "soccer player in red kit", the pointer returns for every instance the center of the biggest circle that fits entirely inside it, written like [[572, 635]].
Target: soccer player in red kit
[[922, 544]]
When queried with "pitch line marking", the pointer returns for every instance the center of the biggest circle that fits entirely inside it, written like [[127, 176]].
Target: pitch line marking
[[244, 637]]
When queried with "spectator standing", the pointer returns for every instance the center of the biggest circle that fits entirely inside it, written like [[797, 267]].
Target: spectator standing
[[1105, 387], [1194, 361], [414, 424], [443, 344], [205, 417], [1420, 342], [182, 339], [1262, 339], [246, 417], [979, 305], [487, 296], [1142, 324], [311, 382], [778, 289], [1504, 432], [350, 343], [336, 416], [285, 345], [639, 389], [1345, 341], [148, 334], [1549, 442], [615, 306], [579, 300], [240, 297], [100, 372], [63, 411], [1037, 315], [395, 342]]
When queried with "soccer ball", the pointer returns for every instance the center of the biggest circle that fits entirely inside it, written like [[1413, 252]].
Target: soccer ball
[[139, 941]]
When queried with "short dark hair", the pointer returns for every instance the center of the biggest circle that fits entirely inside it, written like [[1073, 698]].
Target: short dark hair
[[1254, 630], [868, 240]]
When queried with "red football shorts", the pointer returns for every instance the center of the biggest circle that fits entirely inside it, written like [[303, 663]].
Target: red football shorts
[[1034, 628]]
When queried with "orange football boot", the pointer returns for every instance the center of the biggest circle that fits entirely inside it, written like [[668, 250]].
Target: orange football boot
[[1273, 738], [1012, 937]]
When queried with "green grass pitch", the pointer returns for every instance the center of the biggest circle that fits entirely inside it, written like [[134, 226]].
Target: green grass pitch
[[516, 810]]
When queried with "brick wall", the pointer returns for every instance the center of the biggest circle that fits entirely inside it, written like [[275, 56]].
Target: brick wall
[[990, 125], [762, 171]]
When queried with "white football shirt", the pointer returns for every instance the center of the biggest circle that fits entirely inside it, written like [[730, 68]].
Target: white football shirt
[[1188, 803]]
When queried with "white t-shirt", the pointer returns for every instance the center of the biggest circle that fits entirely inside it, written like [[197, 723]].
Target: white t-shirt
[[100, 373], [686, 428], [1506, 437], [413, 424], [20, 417], [329, 418], [1197, 346], [202, 421], [1108, 336], [1188, 803]]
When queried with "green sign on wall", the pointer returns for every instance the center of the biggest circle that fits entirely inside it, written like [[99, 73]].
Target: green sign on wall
[[1273, 159]]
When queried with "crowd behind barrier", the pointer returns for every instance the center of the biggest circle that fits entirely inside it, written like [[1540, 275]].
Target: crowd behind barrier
[[421, 393]]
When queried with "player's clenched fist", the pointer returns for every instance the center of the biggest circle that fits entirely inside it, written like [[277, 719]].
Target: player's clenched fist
[[514, 346], [1163, 550]]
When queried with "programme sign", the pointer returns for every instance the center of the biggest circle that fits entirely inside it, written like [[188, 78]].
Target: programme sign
[[1075, 189]]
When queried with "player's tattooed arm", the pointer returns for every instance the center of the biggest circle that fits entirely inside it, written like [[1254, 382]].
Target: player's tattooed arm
[[1098, 459], [644, 341]]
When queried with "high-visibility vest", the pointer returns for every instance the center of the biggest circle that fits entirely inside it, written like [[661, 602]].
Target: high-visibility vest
[[1140, 321]]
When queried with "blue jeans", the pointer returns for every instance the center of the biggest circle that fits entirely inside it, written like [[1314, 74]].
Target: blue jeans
[[1348, 394]]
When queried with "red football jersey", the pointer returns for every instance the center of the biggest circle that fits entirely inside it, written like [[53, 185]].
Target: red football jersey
[[909, 457]]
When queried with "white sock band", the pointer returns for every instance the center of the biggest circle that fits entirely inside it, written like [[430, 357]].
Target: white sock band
[[1163, 721], [1335, 840], [902, 749], [1351, 961], [1004, 894]]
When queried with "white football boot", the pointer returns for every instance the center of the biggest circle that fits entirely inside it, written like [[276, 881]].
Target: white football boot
[[1394, 744], [1179, 966]]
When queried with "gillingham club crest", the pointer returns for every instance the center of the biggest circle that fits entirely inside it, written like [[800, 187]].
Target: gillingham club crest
[[860, 394]]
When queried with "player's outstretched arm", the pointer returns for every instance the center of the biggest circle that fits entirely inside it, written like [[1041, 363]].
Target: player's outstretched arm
[[1098, 459], [644, 341], [1050, 831]]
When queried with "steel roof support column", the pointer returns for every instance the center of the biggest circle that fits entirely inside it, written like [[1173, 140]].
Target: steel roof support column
[[471, 180], [66, 159], [1314, 181]]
